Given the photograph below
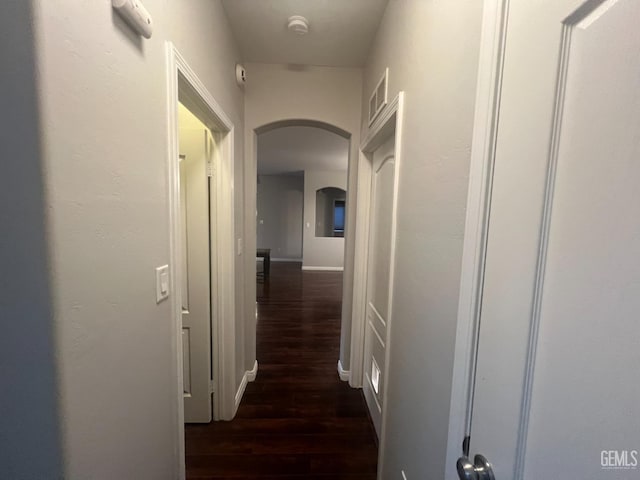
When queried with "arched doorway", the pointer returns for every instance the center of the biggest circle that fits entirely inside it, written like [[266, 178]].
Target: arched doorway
[[250, 186]]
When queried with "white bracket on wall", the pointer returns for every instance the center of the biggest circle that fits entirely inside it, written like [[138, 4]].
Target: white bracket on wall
[[134, 13]]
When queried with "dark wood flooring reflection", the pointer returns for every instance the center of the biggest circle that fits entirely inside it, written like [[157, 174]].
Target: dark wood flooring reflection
[[297, 420]]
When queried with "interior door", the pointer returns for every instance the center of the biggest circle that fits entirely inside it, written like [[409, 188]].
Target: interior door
[[379, 282], [557, 394], [196, 148]]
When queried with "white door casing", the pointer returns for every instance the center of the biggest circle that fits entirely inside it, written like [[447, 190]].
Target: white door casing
[[183, 85], [196, 147], [555, 382], [387, 124], [379, 281]]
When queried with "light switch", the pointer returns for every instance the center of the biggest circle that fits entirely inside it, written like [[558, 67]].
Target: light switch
[[162, 283], [239, 246]]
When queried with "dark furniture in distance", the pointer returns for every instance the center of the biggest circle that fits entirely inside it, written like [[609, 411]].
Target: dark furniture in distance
[[265, 253]]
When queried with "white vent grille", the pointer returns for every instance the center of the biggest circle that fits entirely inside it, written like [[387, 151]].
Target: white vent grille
[[378, 98]]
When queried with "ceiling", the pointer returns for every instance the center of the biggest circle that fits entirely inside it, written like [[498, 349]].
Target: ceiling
[[294, 149], [340, 31]]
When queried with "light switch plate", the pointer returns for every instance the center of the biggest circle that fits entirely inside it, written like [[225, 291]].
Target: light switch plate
[[162, 283]]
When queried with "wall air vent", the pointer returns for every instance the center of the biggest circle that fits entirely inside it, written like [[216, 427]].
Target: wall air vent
[[378, 98]]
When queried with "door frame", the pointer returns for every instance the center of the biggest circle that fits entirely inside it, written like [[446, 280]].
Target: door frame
[[387, 121], [390, 120], [183, 84], [485, 132]]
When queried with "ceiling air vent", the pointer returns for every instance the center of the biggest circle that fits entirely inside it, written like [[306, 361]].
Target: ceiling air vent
[[378, 98]]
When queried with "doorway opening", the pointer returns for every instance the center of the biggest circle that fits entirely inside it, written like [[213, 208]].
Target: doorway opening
[[197, 145], [302, 202], [201, 230]]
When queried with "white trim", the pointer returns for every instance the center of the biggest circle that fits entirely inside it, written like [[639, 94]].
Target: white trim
[[297, 260], [222, 231], [361, 253], [476, 224], [253, 373], [323, 269], [399, 116], [174, 252], [549, 192], [388, 120], [249, 376], [342, 373], [377, 334]]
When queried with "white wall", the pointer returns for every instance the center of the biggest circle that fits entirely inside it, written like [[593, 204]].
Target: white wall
[[279, 221], [29, 421], [103, 133], [323, 252], [431, 49], [280, 92]]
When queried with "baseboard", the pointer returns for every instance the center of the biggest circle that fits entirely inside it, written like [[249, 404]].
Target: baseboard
[[342, 373], [323, 269], [249, 376], [296, 260], [253, 373]]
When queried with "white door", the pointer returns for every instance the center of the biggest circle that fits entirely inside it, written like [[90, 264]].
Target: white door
[[379, 283], [196, 149], [557, 392]]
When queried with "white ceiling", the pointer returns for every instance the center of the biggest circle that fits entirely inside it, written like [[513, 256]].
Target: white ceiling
[[340, 31], [293, 149]]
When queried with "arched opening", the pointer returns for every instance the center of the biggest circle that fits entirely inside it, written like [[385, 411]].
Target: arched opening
[[346, 239], [303, 123]]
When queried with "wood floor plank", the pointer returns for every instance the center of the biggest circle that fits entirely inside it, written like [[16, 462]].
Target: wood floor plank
[[297, 420]]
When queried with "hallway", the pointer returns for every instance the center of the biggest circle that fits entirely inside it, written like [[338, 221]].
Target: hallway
[[297, 420]]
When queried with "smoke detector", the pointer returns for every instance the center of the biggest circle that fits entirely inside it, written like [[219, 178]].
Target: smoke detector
[[298, 24]]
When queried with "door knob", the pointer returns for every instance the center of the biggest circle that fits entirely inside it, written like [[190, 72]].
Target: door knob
[[480, 469]]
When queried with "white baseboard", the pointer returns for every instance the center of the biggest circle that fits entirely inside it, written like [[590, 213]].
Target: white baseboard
[[253, 373], [249, 376], [342, 373], [323, 269], [297, 260]]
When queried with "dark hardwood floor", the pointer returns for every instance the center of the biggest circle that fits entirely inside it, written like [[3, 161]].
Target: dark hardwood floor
[[297, 420]]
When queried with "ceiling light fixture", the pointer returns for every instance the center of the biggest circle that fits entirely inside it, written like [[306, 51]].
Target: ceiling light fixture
[[298, 24]]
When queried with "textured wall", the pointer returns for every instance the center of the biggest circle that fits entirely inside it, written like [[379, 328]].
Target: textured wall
[[431, 49], [29, 422], [279, 222], [104, 129]]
